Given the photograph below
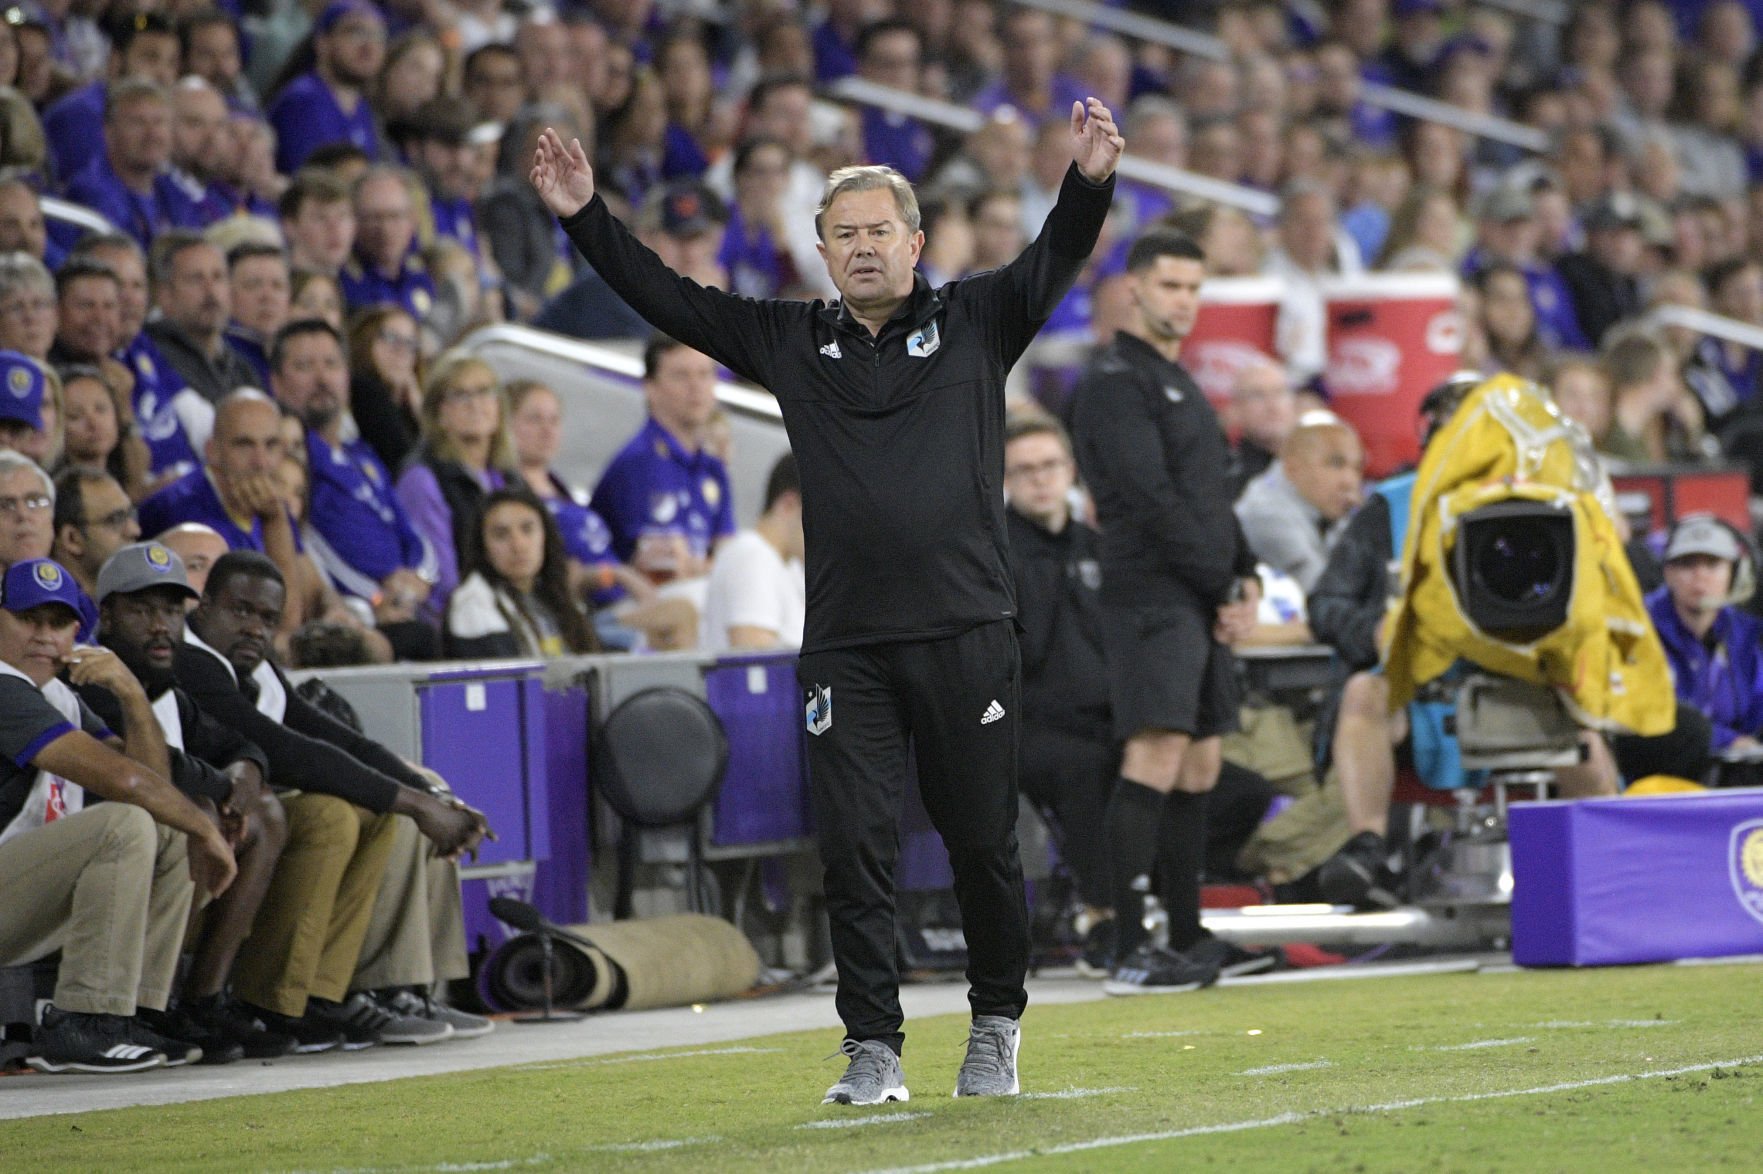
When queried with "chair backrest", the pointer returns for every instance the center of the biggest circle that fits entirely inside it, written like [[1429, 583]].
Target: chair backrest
[[660, 756]]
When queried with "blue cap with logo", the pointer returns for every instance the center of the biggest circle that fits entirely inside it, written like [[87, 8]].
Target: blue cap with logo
[[21, 389], [37, 581], [337, 11]]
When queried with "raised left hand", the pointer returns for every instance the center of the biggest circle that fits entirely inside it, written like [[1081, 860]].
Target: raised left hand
[[1096, 141]]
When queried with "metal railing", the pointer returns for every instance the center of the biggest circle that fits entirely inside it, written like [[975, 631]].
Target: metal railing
[[1713, 325], [1197, 44], [967, 120]]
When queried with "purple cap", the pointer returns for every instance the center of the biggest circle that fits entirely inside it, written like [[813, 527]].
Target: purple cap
[[337, 11], [1402, 8], [21, 389], [37, 581]]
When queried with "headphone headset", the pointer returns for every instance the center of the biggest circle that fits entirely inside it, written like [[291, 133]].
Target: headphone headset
[[1744, 570]]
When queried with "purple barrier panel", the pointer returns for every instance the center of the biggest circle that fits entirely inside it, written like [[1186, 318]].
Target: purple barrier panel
[[1613, 881], [560, 884], [764, 796], [472, 732]]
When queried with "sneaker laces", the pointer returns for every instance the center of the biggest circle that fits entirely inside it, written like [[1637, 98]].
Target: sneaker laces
[[865, 1062], [988, 1050]]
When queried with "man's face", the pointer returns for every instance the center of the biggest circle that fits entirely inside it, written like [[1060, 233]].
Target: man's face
[[131, 276], [1327, 469], [154, 56], [892, 60], [247, 442], [385, 221], [322, 234], [1266, 411], [1168, 295], [1698, 583], [997, 231], [36, 642], [1620, 249], [869, 251], [29, 319], [27, 517], [144, 627], [545, 53], [199, 118], [138, 134], [238, 620], [354, 49], [1741, 295], [682, 395], [1306, 229], [199, 550], [21, 221], [313, 379], [214, 55], [91, 317], [260, 293], [452, 167], [1038, 477], [785, 117], [496, 86], [109, 523], [198, 296]]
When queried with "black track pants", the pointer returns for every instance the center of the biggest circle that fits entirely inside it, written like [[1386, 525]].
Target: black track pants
[[956, 701]]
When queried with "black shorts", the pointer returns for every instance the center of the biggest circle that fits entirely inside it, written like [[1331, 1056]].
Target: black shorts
[[1165, 672]]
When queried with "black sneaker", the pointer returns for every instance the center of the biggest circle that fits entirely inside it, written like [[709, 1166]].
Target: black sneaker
[[409, 1001], [1231, 959], [72, 1041], [1359, 875], [175, 1025], [1153, 970], [1098, 951], [310, 1035], [358, 1017], [178, 1052], [228, 1019]]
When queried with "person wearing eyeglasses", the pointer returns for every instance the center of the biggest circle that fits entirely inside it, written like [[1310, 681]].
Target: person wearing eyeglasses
[[27, 504], [93, 519], [329, 104]]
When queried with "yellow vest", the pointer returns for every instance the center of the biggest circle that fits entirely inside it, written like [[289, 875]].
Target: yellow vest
[[1506, 441]]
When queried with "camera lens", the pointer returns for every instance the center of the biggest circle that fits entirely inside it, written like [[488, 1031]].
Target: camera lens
[[1518, 562]]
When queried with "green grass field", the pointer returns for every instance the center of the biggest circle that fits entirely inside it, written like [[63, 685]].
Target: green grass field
[[1654, 1068]]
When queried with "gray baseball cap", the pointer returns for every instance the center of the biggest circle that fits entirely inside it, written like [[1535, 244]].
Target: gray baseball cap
[[143, 565], [1701, 534]]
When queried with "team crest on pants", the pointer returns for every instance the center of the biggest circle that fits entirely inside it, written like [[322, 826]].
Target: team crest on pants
[[820, 709]]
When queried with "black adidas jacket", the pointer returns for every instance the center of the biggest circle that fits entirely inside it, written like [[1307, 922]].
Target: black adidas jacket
[[1155, 459], [899, 437]]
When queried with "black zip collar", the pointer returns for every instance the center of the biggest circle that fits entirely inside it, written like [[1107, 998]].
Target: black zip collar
[[920, 306]]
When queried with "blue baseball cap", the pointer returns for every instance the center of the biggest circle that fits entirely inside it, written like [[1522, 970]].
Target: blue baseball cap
[[37, 581], [21, 389], [337, 11]]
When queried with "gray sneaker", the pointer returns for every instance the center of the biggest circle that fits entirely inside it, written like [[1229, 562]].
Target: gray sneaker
[[873, 1077], [406, 1001], [990, 1067], [403, 1027]]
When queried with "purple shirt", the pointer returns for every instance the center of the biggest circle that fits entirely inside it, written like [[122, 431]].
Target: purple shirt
[[427, 509], [74, 127], [158, 393], [1060, 95], [143, 215], [654, 486], [903, 143], [306, 116], [193, 498]]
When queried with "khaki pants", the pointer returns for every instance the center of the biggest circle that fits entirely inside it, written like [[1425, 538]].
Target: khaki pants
[[309, 930], [417, 935], [111, 890]]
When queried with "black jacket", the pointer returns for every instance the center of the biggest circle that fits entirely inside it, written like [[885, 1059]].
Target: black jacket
[[307, 750], [899, 437], [209, 747], [1350, 597], [1059, 608], [1156, 462]]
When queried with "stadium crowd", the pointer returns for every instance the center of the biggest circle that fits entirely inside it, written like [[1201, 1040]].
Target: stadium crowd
[[254, 368]]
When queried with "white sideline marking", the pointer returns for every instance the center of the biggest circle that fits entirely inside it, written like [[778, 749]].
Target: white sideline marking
[[1276, 1069], [1073, 1094], [1473, 1045], [646, 1057], [1293, 1118], [854, 1122]]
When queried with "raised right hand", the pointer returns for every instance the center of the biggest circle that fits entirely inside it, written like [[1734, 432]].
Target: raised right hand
[[561, 175]]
